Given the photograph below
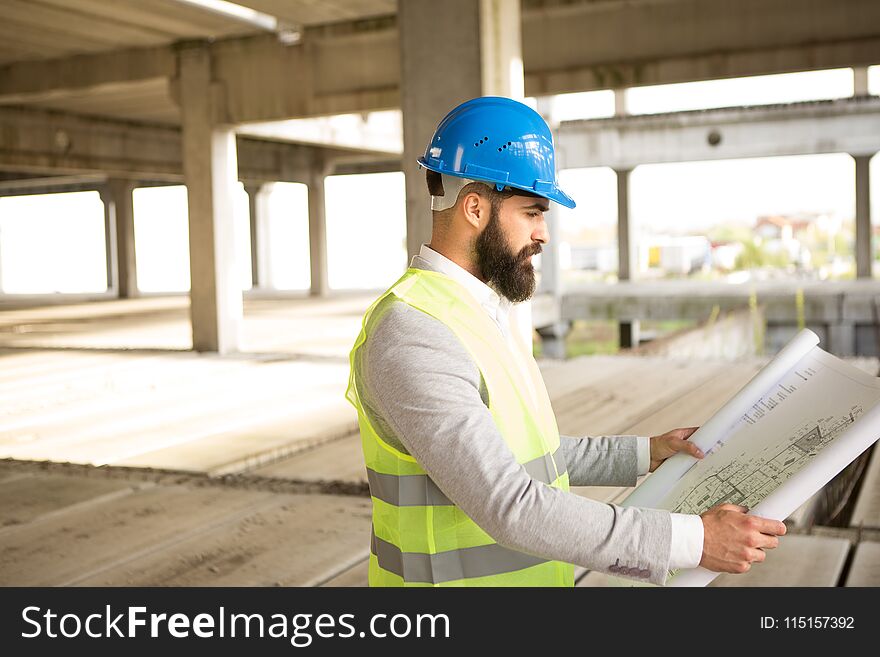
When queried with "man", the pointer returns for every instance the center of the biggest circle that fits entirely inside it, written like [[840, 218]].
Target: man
[[468, 474]]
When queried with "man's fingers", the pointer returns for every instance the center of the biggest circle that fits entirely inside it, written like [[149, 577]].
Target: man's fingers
[[766, 542], [756, 556], [768, 526], [687, 447], [687, 432], [694, 450]]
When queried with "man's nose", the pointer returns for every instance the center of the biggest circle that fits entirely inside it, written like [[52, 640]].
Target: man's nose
[[541, 234]]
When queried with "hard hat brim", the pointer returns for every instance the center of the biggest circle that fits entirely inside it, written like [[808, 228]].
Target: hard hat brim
[[554, 194]]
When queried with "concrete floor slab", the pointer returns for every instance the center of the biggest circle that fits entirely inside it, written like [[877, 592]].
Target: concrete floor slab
[[798, 561], [337, 460], [356, 575], [29, 498], [866, 512], [296, 540], [865, 567], [77, 545]]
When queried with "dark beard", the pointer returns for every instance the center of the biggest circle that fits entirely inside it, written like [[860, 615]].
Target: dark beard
[[512, 274]]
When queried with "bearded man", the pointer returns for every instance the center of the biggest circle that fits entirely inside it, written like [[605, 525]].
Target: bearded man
[[469, 477]]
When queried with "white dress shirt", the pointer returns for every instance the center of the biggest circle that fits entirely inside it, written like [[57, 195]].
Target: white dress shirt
[[687, 530]]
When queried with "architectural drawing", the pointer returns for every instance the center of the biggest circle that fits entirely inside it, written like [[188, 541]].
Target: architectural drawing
[[746, 480], [802, 419]]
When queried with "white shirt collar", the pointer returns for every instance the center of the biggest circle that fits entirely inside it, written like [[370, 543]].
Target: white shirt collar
[[495, 305]]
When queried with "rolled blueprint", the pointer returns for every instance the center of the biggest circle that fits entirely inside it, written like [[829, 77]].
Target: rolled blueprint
[[655, 487], [782, 502], [783, 436]]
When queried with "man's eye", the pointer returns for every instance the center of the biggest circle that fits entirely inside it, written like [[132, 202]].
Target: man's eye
[[533, 214]]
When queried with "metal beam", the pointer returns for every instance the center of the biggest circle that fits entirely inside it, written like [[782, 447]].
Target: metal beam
[[42, 142], [839, 126]]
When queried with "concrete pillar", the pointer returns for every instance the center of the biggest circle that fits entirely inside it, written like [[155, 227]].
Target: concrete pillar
[[552, 336], [864, 246], [319, 286], [551, 274], [860, 80], [210, 171], [620, 103], [258, 208], [626, 253], [627, 261], [121, 256], [483, 37]]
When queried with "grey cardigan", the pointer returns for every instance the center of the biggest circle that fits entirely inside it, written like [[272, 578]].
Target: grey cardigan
[[422, 390]]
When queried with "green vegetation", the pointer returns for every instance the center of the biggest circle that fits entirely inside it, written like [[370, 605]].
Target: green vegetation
[[591, 338], [754, 256]]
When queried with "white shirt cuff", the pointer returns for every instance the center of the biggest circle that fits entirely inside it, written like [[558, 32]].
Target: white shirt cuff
[[687, 541], [643, 449]]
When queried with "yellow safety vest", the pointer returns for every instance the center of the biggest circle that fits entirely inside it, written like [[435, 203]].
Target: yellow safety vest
[[419, 537]]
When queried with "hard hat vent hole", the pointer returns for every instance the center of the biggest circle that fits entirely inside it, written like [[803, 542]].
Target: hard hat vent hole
[[480, 143]]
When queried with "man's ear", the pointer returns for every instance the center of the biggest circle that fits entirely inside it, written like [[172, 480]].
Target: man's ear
[[472, 206]]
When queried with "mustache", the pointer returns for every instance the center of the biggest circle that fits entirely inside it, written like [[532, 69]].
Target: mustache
[[529, 251]]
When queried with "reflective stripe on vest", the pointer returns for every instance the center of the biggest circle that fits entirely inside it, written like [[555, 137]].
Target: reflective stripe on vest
[[420, 490], [480, 561]]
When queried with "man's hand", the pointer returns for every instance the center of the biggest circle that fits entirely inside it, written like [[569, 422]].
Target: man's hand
[[733, 541], [672, 442]]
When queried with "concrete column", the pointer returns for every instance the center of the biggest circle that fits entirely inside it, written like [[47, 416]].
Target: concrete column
[[119, 237], [484, 37], [864, 246], [258, 208], [626, 254], [553, 336], [551, 274], [210, 171], [319, 286], [860, 81], [620, 103]]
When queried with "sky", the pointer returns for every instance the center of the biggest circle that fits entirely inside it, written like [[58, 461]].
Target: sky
[[366, 214]]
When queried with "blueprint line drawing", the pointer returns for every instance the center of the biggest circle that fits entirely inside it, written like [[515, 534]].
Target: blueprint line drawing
[[746, 481], [800, 421]]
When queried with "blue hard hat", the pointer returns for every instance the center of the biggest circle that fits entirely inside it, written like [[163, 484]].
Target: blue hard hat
[[497, 140]]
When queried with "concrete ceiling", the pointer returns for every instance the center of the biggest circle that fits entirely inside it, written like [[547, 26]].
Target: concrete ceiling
[[117, 59], [315, 12], [45, 29], [53, 29]]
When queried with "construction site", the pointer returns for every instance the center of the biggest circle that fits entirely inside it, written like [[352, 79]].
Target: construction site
[[179, 418]]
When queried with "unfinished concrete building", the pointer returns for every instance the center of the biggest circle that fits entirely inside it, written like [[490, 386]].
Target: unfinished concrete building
[[202, 437]]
